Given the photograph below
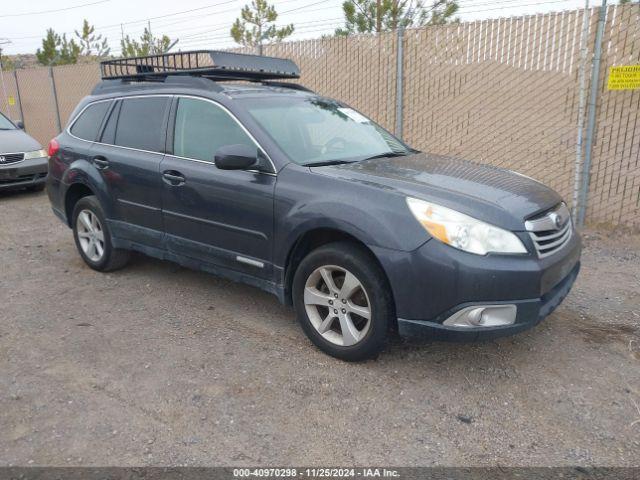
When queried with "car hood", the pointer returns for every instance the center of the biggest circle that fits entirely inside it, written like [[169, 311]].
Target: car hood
[[16, 141], [495, 195]]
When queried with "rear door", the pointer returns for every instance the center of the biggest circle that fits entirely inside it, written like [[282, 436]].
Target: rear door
[[220, 216], [128, 157]]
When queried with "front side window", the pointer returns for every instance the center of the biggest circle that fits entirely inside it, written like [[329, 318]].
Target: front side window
[[5, 124], [141, 122], [313, 130], [88, 123], [202, 127]]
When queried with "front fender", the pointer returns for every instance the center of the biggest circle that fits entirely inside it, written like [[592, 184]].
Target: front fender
[[305, 202]]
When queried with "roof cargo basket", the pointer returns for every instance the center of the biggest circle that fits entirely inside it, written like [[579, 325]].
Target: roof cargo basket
[[211, 64]]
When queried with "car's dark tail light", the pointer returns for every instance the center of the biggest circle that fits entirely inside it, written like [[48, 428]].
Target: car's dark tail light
[[54, 147]]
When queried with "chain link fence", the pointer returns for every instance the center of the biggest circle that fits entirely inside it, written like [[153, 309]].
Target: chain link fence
[[505, 92]]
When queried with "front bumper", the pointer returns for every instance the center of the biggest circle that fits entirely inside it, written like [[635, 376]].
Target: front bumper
[[435, 281], [27, 173], [530, 313]]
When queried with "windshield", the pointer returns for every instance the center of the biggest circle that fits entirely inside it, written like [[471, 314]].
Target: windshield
[[6, 124], [315, 131]]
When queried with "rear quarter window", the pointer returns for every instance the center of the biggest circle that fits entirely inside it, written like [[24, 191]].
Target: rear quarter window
[[109, 132], [88, 123], [141, 123]]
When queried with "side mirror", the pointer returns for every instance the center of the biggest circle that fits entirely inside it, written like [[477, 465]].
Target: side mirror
[[20, 125], [237, 157]]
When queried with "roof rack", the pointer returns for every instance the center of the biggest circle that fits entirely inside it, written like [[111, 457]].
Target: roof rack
[[211, 64]]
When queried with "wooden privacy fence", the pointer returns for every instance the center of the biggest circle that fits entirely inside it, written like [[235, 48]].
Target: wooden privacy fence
[[504, 92]]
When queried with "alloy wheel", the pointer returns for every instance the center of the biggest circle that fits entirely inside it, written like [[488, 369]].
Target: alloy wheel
[[337, 305], [90, 235]]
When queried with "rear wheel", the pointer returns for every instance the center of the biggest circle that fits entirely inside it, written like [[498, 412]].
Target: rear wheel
[[343, 301], [93, 239]]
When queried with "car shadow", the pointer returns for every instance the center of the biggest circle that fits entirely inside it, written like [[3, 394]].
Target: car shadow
[[399, 351]]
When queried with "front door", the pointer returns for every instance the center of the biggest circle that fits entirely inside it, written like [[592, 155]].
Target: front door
[[224, 217]]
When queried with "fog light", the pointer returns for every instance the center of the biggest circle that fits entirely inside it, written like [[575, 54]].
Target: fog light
[[483, 316]]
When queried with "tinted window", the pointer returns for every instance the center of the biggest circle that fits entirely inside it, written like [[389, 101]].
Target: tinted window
[[88, 124], [202, 128], [109, 132], [141, 122]]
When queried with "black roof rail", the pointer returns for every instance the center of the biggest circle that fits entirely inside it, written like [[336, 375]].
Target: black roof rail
[[211, 64], [115, 85], [293, 86]]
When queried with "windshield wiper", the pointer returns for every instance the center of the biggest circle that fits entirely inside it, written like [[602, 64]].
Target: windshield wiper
[[388, 155], [327, 162]]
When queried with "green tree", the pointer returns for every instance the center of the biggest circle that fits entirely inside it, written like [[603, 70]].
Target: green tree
[[147, 45], [49, 50], [57, 50], [256, 25], [6, 63], [69, 51], [373, 16], [90, 43]]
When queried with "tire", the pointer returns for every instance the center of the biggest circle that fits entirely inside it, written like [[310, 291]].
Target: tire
[[365, 338], [106, 258]]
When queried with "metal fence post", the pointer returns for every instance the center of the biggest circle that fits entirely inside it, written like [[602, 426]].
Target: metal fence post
[[19, 99], [591, 123], [54, 94], [399, 80], [578, 167]]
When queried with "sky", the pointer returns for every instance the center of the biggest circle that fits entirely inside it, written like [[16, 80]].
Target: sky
[[204, 23]]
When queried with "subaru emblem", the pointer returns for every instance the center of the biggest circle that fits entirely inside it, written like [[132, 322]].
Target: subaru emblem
[[556, 219]]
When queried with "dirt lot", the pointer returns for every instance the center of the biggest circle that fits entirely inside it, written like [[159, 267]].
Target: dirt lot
[[159, 365]]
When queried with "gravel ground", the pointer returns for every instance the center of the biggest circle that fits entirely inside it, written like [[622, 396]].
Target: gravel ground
[[159, 365]]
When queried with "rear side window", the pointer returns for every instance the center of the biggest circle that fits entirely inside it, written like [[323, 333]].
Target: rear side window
[[88, 123], [202, 128], [141, 123]]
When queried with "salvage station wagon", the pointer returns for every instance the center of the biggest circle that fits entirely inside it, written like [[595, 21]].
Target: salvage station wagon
[[217, 161]]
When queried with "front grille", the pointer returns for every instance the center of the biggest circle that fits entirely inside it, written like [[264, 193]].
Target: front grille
[[551, 231], [7, 158]]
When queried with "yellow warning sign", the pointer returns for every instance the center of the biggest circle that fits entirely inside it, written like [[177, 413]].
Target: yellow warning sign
[[12, 101], [626, 77]]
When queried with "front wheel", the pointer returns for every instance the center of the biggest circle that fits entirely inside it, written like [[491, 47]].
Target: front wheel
[[343, 301]]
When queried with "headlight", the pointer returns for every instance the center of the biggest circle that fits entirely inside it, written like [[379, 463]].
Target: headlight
[[35, 154], [463, 232]]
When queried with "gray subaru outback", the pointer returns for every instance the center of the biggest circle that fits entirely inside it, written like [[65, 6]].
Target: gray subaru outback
[[268, 183]]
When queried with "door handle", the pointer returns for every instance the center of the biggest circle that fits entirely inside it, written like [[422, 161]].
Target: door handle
[[173, 178], [100, 162]]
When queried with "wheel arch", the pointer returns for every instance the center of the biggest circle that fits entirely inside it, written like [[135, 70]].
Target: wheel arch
[[74, 193], [313, 239], [81, 180]]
